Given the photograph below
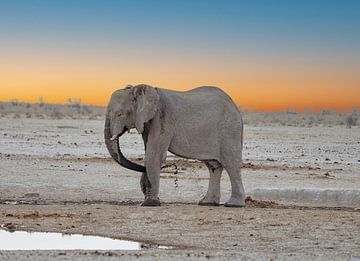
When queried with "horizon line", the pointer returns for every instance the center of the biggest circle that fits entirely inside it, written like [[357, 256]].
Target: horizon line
[[78, 101]]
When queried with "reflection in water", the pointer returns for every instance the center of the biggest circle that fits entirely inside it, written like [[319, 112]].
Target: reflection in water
[[21, 240]]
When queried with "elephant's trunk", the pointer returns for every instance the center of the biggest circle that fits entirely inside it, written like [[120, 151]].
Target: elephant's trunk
[[117, 155]]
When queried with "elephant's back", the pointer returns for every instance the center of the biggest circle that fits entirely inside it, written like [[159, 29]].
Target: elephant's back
[[203, 95], [202, 90], [207, 102]]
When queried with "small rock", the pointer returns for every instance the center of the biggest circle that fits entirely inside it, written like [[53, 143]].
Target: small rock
[[9, 226], [32, 195], [34, 214]]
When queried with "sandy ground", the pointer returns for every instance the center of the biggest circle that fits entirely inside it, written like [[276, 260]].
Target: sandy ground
[[56, 175]]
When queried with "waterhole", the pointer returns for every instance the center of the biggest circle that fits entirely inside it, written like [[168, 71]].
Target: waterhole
[[22, 240]]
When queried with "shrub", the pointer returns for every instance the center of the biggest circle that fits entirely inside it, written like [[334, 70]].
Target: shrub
[[350, 121]]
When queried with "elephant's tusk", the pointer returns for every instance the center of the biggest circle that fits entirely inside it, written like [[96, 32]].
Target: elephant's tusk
[[114, 137]]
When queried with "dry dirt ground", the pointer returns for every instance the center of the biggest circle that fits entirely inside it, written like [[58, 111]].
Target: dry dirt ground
[[55, 175]]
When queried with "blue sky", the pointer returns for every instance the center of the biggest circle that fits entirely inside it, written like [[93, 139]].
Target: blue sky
[[200, 22]]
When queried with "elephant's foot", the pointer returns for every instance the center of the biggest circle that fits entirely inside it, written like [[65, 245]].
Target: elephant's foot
[[209, 202], [151, 202], [235, 202]]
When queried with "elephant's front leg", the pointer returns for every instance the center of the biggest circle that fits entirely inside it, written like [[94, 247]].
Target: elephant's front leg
[[144, 181], [152, 176]]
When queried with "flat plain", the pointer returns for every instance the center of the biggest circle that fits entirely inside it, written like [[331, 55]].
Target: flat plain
[[303, 183]]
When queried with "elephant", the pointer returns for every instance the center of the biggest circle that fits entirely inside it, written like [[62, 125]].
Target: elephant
[[203, 124]]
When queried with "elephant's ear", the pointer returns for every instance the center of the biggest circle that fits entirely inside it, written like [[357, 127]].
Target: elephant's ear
[[147, 103]]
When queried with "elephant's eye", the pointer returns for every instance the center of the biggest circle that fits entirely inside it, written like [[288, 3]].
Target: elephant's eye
[[123, 113]]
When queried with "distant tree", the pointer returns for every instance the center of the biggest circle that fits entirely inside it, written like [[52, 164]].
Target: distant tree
[[14, 102], [74, 103], [41, 101]]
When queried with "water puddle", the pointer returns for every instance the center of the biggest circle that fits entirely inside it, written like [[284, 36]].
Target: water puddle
[[15, 202], [22, 240]]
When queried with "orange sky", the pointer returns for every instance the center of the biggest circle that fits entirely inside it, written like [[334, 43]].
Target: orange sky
[[254, 83]]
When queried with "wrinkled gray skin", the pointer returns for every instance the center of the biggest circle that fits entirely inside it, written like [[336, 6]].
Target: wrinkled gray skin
[[203, 123]]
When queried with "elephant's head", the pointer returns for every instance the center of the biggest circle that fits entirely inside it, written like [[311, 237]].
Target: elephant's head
[[128, 108]]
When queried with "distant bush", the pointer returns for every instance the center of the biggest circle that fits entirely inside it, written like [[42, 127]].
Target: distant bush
[[56, 115], [351, 121], [307, 118], [87, 109], [43, 110], [75, 110]]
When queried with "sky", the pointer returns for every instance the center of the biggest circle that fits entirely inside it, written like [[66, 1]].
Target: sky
[[267, 55]]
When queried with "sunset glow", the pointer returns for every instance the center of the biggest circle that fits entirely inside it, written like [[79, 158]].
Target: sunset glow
[[287, 54]]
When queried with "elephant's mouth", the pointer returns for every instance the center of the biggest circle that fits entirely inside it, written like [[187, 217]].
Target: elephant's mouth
[[116, 136]]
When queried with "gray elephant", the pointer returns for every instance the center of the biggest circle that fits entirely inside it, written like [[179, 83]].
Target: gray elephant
[[203, 124]]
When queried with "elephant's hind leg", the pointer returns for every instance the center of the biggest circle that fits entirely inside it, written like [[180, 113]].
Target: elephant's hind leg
[[237, 198], [212, 197]]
